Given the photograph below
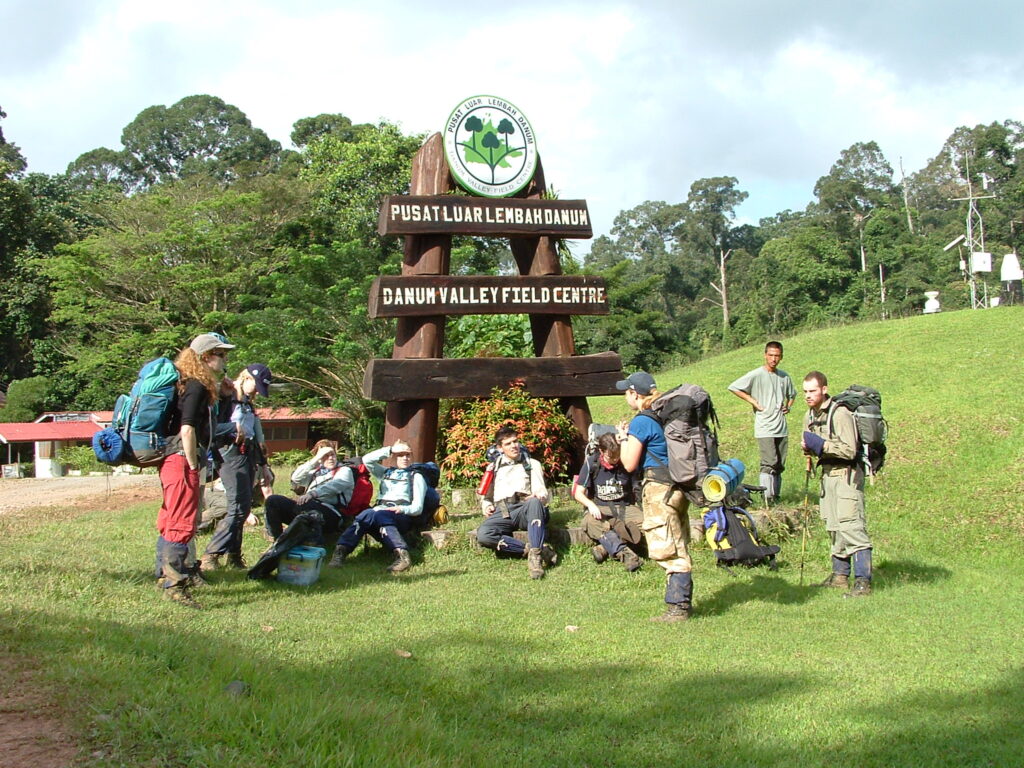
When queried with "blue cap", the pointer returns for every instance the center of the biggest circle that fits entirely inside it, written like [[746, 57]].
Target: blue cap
[[641, 382]]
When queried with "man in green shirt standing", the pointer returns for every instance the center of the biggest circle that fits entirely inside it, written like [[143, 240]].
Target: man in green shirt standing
[[771, 393]]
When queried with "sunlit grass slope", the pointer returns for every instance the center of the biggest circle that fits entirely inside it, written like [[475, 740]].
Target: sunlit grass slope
[[464, 661]]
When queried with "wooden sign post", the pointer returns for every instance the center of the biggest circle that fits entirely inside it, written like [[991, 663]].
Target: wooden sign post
[[418, 375]]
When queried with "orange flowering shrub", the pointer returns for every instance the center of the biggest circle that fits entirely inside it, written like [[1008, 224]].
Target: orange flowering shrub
[[547, 433]]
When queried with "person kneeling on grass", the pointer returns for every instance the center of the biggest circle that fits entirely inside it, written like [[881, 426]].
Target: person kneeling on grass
[[399, 504], [515, 501], [607, 492]]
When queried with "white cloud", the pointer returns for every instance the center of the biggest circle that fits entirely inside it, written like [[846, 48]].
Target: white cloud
[[630, 100]]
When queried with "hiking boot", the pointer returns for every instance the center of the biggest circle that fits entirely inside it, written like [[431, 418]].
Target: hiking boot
[[535, 563], [338, 559], [210, 562], [235, 561], [195, 581], [837, 580], [599, 553], [673, 613], [548, 556], [861, 588], [630, 560], [402, 561], [181, 596]]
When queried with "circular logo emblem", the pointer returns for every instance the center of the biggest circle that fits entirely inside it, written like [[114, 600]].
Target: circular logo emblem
[[490, 146]]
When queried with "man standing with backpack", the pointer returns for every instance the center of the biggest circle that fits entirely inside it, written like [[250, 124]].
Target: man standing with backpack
[[399, 504], [770, 392], [830, 434]]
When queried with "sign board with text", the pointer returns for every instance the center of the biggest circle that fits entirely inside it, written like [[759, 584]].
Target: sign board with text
[[458, 215], [401, 296]]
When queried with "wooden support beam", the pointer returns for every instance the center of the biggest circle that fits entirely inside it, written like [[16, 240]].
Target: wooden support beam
[[569, 377]]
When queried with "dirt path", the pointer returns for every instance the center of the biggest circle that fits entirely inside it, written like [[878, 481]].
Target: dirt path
[[76, 493], [33, 731]]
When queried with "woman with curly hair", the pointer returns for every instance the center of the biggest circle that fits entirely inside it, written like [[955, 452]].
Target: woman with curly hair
[[200, 366]]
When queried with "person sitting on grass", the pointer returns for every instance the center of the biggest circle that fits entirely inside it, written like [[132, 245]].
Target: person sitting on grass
[[515, 501], [607, 492], [328, 488], [399, 504]]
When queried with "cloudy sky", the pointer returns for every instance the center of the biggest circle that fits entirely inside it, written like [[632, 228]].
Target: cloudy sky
[[630, 101]]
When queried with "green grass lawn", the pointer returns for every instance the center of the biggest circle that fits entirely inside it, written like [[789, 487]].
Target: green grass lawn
[[464, 661]]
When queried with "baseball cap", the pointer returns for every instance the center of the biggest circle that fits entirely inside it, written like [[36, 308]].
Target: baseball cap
[[261, 374], [207, 342], [641, 382]]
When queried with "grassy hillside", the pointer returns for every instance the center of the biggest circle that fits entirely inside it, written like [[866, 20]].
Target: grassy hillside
[[464, 661], [951, 388]]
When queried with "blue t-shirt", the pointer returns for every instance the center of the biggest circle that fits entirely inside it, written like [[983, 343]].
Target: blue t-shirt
[[652, 436]]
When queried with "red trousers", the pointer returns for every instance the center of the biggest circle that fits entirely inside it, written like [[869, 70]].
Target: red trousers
[[179, 514]]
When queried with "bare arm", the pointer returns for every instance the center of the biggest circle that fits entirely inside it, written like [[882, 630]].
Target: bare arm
[[744, 396], [190, 445], [630, 453], [580, 494]]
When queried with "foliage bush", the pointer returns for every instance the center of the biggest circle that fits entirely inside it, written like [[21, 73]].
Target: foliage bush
[[290, 459], [547, 433], [82, 458]]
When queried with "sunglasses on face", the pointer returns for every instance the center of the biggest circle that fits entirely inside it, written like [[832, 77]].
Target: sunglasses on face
[[218, 353]]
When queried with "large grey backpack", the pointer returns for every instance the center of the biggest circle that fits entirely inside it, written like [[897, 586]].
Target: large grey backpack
[[872, 428], [687, 415]]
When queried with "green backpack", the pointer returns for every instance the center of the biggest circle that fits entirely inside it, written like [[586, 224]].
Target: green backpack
[[872, 429]]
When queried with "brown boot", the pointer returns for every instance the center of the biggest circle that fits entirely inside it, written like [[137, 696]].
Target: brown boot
[[181, 596], [630, 560], [837, 580], [535, 563], [861, 588], [338, 559], [209, 562], [235, 561], [548, 556], [599, 553], [402, 561], [673, 613]]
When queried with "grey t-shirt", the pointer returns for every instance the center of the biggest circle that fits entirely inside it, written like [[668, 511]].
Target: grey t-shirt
[[772, 391]]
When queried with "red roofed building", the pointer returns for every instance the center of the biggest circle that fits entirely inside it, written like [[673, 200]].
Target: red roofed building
[[284, 429]]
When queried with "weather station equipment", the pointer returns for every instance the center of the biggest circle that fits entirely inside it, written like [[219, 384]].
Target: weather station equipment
[[980, 260]]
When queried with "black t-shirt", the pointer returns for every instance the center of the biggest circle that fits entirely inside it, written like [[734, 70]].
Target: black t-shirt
[[193, 409], [606, 486]]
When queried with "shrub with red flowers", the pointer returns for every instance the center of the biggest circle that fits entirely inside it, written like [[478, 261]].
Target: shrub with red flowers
[[547, 433]]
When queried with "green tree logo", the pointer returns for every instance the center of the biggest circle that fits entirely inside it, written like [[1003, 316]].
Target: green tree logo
[[484, 146], [490, 146]]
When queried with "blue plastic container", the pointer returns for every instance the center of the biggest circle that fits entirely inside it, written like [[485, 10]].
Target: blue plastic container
[[301, 565], [722, 480]]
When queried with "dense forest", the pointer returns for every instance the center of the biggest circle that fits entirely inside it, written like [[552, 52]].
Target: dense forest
[[201, 222]]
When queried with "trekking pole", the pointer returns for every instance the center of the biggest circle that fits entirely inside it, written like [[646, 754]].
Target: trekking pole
[[803, 514]]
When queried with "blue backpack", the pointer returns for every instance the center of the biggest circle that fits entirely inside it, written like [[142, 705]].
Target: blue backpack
[[432, 500], [138, 432]]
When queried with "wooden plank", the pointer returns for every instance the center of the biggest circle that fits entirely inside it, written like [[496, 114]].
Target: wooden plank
[[393, 296], [552, 334], [433, 378], [415, 421], [463, 215]]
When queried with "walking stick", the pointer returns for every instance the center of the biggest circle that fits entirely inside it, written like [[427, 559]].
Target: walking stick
[[803, 514]]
